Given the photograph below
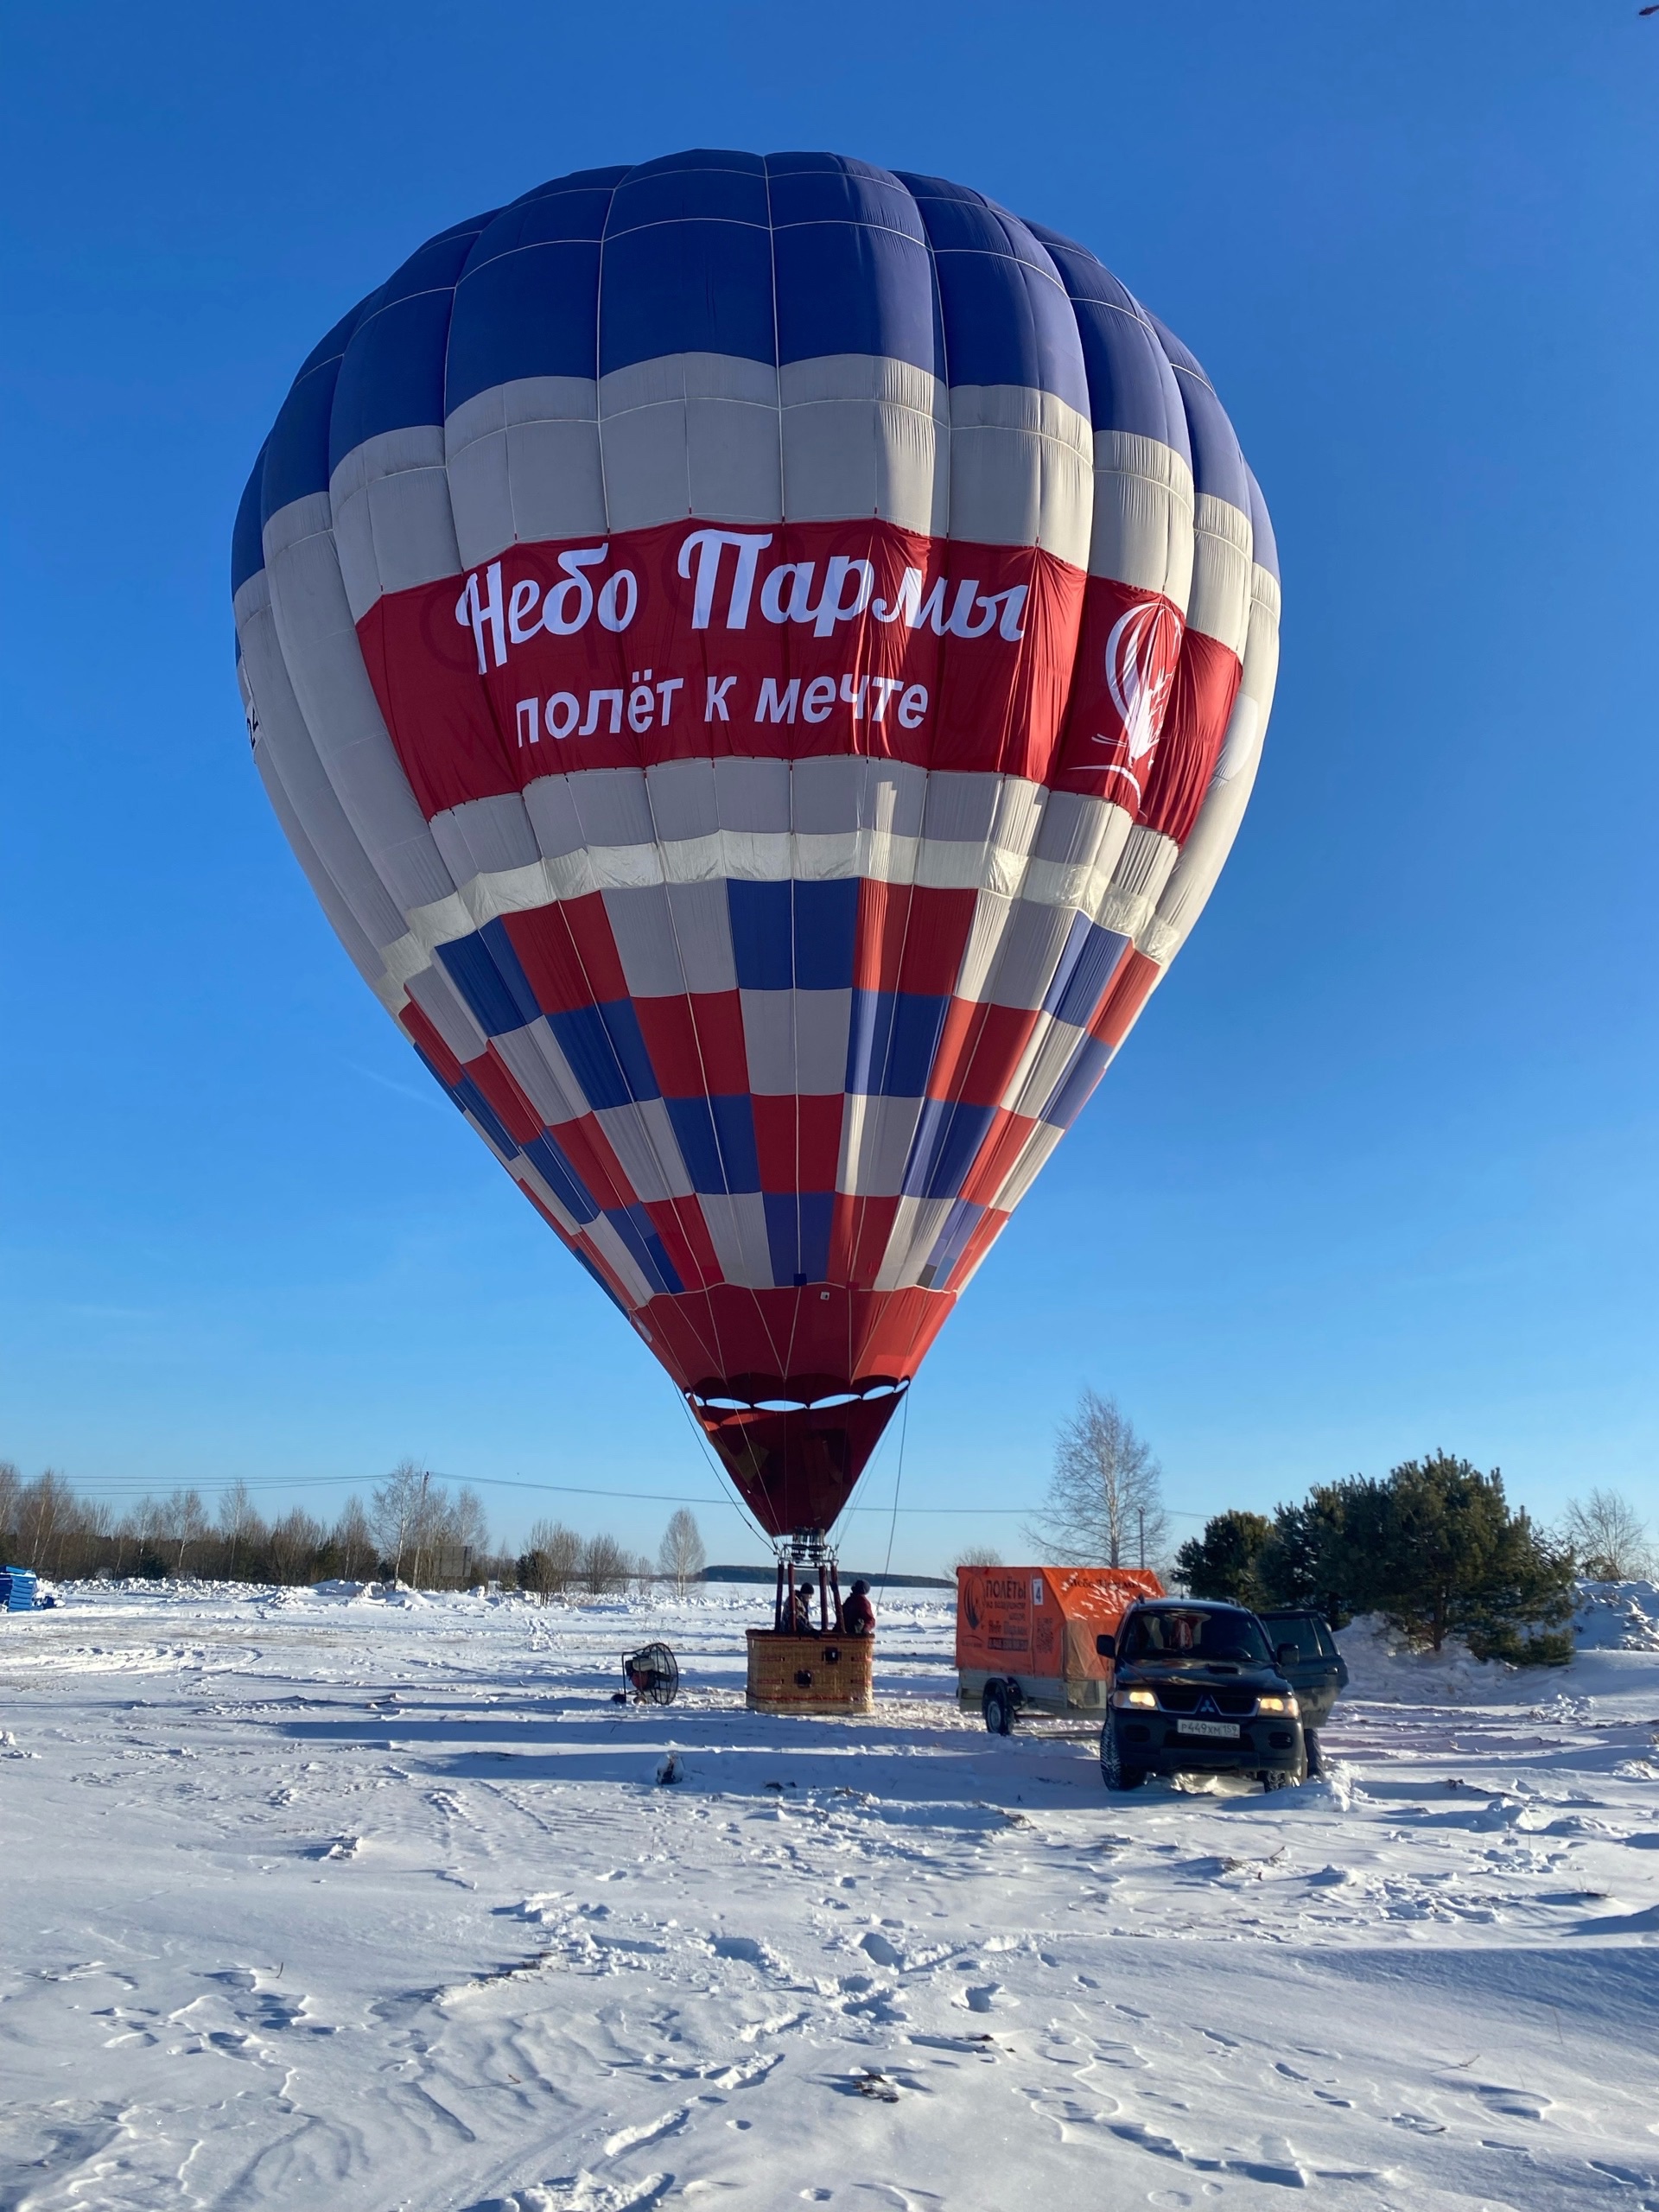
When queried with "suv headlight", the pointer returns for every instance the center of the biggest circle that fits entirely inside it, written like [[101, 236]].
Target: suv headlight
[[1135, 1697], [1277, 1705]]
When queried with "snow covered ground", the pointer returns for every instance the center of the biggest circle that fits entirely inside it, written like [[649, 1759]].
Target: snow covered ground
[[311, 1901]]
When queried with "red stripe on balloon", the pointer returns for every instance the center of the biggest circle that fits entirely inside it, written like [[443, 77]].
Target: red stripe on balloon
[[970, 669]]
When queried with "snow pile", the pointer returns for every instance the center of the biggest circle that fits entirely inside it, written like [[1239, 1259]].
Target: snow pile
[[1617, 1617], [1381, 1665]]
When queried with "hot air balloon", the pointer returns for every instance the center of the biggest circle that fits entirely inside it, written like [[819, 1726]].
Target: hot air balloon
[[761, 659]]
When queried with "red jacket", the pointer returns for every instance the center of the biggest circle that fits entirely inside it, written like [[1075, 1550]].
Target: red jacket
[[858, 1616]]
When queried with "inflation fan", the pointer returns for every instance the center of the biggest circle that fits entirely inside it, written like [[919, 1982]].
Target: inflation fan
[[653, 1675]]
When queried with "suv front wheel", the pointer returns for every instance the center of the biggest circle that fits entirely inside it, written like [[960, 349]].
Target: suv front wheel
[[1113, 1772], [1281, 1778]]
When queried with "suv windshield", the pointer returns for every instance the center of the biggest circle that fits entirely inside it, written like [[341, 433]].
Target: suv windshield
[[1195, 1633]]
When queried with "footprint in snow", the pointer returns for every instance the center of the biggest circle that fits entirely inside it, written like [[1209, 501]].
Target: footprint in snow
[[650, 2131], [987, 1997], [743, 1947], [748, 2075], [874, 2083], [580, 2192]]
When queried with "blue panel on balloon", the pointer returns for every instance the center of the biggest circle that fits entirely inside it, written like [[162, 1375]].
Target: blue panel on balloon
[[762, 934], [1072, 1092], [793, 935], [892, 1041], [577, 1253], [468, 1095], [485, 970], [825, 932], [392, 375], [947, 1142], [547, 1157], [296, 453], [1085, 968], [798, 1236], [960, 1224], [247, 542], [846, 288], [686, 287], [530, 313], [831, 188], [674, 195], [606, 1052], [638, 1232], [716, 1142]]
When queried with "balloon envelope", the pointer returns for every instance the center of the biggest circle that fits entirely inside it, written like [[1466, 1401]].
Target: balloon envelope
[[761, 660]]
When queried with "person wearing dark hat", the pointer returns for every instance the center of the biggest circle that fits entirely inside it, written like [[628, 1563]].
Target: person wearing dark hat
[[798, 1617], [858, 1614]]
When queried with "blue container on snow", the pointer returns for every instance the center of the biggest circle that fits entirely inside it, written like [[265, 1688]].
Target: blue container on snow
[[17, 1589]]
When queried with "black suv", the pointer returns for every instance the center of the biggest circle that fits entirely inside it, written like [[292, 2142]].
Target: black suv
[[1319, 1674], [1198, 1689]]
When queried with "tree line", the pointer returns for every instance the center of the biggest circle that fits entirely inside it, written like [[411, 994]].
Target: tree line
[[558, 1563], [413, 1528], [1434, 1547]]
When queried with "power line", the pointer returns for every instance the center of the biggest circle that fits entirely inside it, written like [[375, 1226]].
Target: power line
[[129, 1489]]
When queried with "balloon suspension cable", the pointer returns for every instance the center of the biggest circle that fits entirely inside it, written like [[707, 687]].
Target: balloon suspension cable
[[897, 1482], [733, 1496]]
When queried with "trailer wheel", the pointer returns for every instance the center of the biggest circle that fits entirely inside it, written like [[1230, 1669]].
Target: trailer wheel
[[998, 1708]]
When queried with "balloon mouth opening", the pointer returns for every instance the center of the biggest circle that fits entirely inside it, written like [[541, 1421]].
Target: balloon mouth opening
[[719, 1398]]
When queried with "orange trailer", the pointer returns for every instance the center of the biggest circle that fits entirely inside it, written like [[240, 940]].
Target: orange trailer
[[1026, 1636]]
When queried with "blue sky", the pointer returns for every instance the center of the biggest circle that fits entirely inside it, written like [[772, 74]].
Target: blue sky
[[1376, 1171]]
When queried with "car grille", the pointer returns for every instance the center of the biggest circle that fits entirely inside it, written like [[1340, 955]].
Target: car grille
[[1231, 1705]]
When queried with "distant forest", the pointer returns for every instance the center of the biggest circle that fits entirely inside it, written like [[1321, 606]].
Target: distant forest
[[413, 1528]]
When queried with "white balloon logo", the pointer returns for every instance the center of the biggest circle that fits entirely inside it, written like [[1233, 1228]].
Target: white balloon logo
[[1141, 656]]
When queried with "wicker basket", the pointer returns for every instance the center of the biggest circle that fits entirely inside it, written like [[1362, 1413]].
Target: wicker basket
[[810, 1673]]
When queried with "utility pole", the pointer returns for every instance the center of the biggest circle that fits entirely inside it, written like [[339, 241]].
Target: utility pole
[[1140, 1515], [420, 1524]]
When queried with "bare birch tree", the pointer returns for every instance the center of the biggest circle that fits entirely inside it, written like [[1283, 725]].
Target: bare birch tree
[[549, 1562], [1104, 1506], [141, 1524], [681, 1557], [236, 1517], [294, 1542], [185, 1524], [396, 1511], [468, 1529], [11, 1490], [605, 1565], [46, 1508], [353, 1540], [977, 1555], [1607, 1536]]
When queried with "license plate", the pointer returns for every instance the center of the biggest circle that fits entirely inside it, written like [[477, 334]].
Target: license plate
[[1228, 1729]]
